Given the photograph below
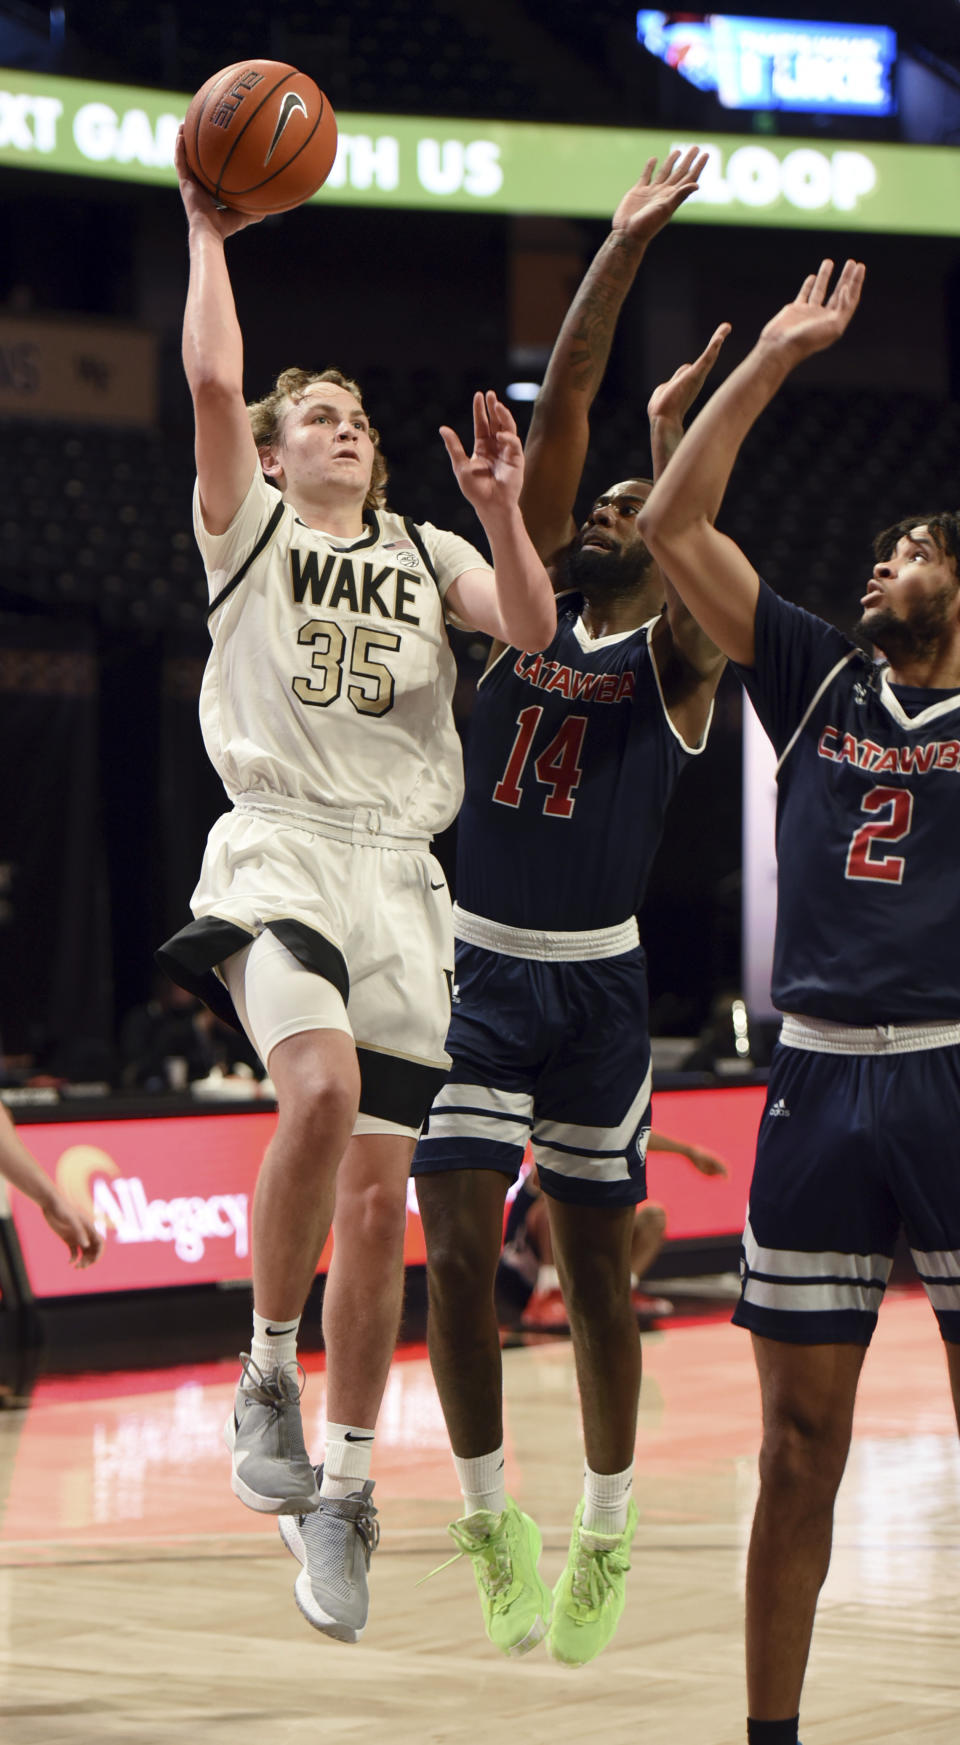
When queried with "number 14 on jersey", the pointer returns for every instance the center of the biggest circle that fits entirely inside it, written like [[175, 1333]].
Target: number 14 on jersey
[[558, 766]]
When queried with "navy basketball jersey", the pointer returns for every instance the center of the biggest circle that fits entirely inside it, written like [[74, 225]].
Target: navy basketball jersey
[[571, 761], [868, 827]]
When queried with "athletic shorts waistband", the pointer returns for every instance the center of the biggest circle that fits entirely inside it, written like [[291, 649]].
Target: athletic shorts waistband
[[547, 947], [821, 1036], [363, 825]]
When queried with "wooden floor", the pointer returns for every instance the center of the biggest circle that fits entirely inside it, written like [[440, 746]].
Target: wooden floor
[[140, 1602]]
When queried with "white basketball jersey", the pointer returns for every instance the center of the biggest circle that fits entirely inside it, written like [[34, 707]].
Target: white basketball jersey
[[330, 681]]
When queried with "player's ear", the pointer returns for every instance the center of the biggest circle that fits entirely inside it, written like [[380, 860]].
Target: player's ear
[[271, 467]]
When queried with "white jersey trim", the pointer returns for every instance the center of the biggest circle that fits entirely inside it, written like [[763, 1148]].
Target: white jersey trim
[[587, 642], [584, 640], [601, 1151], [823, 1036], [503, 1117], [557, 947], [505, 648], [893, 705], [701, 745], [794, 1280], [814, 700], [942, 1263], [223, 553], [363, 825]]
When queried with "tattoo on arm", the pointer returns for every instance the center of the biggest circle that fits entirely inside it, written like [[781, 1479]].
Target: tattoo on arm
[[596, 310]]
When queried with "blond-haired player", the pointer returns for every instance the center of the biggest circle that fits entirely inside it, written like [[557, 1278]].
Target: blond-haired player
[[326, 709]]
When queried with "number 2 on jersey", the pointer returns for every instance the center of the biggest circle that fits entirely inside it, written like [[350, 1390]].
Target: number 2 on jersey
[[558, 767], [861, 864]]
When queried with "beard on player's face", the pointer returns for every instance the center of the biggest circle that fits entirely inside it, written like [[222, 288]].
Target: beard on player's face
[[607, 575], [913, 637]]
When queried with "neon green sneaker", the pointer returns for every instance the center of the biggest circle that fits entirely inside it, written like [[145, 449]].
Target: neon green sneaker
[[504, 1550], [589, 1597]]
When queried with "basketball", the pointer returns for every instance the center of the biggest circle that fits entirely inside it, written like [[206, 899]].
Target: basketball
[[260, 137]]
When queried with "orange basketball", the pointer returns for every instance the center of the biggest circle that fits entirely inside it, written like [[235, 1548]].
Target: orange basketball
[[260, 137]]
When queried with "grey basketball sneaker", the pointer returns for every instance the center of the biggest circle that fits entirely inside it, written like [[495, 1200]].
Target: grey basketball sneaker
[[335, 1546], [271, 1469]]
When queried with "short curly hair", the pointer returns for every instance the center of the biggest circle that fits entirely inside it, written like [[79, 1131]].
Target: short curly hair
[[267, 416], [944, 530]]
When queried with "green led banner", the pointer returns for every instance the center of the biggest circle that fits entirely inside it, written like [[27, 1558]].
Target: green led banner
[[126, 133]]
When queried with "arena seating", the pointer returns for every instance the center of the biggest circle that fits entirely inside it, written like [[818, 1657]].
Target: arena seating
[[404, 58], [100, 524]]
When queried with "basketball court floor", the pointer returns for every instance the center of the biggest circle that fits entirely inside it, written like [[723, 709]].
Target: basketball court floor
[[139, 1602]]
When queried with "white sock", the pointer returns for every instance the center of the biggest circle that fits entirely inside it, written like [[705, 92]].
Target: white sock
[[606, 1497], [346, 1460], [274, 1343], [548, 1279], [482, 1482]]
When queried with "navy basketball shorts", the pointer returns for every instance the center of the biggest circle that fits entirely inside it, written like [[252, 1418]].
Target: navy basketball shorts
[[557, 1053], [852, 1148]]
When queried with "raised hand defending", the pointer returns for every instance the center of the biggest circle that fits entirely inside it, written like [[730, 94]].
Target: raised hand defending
[[652, 202], [490, 478], [814, 320], [672, 400]]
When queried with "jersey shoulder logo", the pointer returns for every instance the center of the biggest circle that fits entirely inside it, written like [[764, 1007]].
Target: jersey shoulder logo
[[406, 551]]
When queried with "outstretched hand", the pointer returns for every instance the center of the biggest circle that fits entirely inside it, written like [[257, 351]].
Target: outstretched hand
[[706, 1161], [814, 321], [490, 478], [75, 1229], [672, 400], [652, 202], [201, 207]]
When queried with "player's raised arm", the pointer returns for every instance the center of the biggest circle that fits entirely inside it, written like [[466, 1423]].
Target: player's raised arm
[[669, 403], [213, 356], [667, 410], [515, 604], [714, 577], [560, 429]]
